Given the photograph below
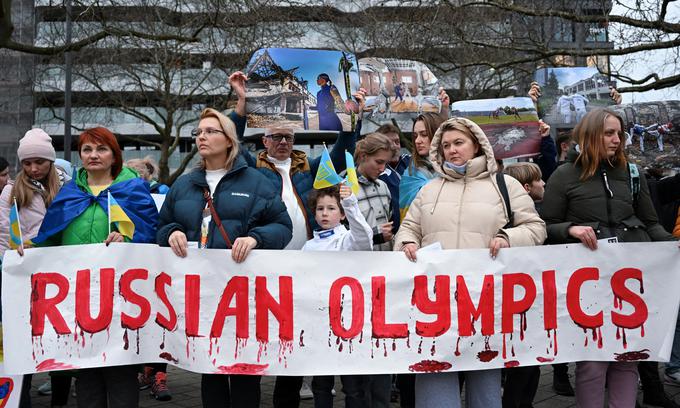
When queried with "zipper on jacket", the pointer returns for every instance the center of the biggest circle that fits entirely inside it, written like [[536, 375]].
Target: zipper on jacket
[[609, 195], [460, 211]]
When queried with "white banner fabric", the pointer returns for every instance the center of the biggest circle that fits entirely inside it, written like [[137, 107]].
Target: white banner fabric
[[322, 313]]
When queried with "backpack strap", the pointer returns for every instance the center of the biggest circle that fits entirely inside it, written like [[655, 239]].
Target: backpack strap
[[634, 178], [500, 180]]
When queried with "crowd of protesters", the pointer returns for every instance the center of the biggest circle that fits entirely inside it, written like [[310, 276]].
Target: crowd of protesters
[[449, 189]]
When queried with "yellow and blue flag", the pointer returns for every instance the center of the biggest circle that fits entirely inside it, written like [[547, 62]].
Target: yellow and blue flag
[[15, 239], [352, 180], [326, 175], [118, 217]]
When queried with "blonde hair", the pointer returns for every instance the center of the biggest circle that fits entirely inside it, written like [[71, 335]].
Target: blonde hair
[[229, 129], [589, 134], [146, 167], [524, 172], [450, 125], [372, 144], [23, 190]]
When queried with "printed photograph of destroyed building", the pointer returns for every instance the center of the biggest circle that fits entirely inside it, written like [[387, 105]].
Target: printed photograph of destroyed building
[[397, 90], [303, 88]]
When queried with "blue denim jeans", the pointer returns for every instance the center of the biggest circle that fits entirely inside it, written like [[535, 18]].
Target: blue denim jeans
[[442, 390]]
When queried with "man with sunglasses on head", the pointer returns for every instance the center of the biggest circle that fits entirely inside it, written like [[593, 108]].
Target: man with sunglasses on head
[[292, 172]]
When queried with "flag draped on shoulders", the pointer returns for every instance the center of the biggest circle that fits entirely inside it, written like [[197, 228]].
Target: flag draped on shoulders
[[15, 237], [131, 198]]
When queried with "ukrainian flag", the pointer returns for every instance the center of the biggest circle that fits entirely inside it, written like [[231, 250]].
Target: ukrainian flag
[[15, 240], [118, 217], [326, 175], [352, 179]]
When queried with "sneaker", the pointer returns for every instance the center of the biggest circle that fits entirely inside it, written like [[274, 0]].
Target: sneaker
[[159, 388], [46, 388], [145, 379], [306, 392], [562, 386], [660, 401], [333, 392], [672, 378]]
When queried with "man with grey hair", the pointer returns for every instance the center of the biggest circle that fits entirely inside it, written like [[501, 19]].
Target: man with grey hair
[[293, 172]]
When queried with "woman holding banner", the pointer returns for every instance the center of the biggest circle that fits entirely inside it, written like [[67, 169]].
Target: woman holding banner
[[597, 194], [80, 214], [465, 208], [221, 201], [36, 185]]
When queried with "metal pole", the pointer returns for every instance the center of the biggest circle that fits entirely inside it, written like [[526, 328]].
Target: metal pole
[[67, 86]]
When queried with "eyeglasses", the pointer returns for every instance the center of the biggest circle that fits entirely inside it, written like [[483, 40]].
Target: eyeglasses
[[278, 137], [209, 131]]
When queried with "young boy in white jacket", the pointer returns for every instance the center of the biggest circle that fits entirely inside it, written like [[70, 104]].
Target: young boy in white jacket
[[332, 205]]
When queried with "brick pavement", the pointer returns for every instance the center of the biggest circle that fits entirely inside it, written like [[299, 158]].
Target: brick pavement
[[186, 391]]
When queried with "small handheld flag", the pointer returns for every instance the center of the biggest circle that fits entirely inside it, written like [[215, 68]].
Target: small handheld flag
[[15, 239], [118, 217], [352, 180], [326, 175]]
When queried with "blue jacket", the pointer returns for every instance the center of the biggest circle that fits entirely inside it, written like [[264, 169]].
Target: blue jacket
[[302, 169], [247, 204]]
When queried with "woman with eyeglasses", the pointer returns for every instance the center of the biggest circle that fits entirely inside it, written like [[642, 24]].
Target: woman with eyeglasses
[[224, 204], [597, 194]]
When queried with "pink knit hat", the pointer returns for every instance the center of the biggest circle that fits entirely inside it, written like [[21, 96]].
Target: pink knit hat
[[36, 144]]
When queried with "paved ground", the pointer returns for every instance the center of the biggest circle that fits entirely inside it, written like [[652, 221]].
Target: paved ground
[[185, 387]]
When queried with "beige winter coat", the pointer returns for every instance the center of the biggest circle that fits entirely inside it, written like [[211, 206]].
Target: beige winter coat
[[468, 211]]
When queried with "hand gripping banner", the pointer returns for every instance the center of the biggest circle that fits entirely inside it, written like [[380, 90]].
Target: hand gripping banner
[[282, 312]]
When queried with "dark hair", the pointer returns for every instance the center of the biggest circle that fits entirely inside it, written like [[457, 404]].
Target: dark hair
[[315, 195], [562, 138], [103, 136], [388, 128], [3, 164]]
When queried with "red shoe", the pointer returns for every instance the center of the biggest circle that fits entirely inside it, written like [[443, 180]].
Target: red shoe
[[159, 388]]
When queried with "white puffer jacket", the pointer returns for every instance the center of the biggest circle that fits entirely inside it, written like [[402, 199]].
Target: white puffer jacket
[[467, 211]]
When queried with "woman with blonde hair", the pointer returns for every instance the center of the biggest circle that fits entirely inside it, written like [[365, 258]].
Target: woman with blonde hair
[[148, 170], [224, 204], [597, 194]]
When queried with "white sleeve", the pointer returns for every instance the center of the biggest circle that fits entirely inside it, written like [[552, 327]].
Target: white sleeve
[[360, 237]]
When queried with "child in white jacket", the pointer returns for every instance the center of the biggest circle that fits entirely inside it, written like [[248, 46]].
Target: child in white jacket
[[331, 205]]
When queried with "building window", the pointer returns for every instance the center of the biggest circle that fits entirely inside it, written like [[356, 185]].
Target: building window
[[595, 33], [563, 31]]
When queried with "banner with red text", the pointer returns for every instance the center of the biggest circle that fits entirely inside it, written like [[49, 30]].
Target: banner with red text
[[317, 313]]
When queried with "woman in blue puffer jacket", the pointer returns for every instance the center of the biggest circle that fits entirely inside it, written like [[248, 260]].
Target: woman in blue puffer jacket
[[250, 211]]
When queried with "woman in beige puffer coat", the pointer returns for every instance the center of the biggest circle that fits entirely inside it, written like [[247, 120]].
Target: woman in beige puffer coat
[[464, 208]]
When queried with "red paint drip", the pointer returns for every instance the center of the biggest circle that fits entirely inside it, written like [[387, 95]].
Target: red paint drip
[[329, 338], [384, 349], [504, 348], [618, 333], [511, 364], [302, 338], [162, 346], [433, 349], [408, 341], [137, 342], [210, 348], [243, 368], [104, 356], [361, 336], [377, 343], [487, 355], [555, 336], [522, 325], [126, 342], [616, 302], [457, 352], [420, 346], [340, 347], [429, 366], [51, 365], [167, 356], [512, 350], [632, 355], [394, 345], [599, 337], [544, 359], [240, 343], [625, 343], [642, 330]]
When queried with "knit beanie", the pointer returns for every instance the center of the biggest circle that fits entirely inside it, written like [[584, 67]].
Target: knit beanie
[[36, 144]]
